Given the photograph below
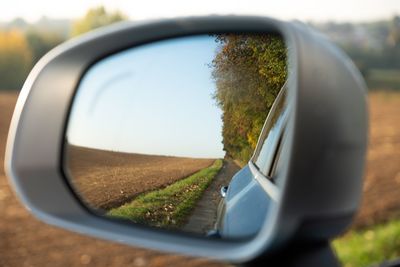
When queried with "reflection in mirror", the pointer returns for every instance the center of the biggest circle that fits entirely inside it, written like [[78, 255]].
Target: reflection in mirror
[[162, 134]]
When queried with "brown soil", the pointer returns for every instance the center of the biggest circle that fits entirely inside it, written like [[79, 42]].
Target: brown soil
[[381, 192], [24, 241], [108, 179]]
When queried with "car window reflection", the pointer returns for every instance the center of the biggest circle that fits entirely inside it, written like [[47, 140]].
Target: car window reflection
[[271, 134]]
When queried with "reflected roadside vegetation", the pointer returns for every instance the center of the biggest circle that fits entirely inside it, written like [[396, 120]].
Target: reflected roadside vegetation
[[157, 130]]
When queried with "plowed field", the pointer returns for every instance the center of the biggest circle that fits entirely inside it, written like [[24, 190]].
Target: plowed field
[[108, 179]]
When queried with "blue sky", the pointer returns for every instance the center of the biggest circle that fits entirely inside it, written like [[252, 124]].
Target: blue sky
[[154, 99]]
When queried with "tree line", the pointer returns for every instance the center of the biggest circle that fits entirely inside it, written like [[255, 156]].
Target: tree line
[[249, 71], [372, 46], [23, 44]]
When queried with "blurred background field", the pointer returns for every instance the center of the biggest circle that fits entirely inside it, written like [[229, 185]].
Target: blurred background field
[[375, 235]]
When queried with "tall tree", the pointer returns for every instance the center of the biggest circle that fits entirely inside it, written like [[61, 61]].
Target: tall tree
[[15, 59], [40, 42], [249, 71], [95, 18], [394, 32]]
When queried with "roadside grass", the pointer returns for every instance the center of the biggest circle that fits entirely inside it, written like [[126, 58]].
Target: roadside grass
[[170, 206], [373, 245]]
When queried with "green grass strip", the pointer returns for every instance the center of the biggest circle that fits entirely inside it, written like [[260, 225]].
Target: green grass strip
[[376, 244], [170, 206]]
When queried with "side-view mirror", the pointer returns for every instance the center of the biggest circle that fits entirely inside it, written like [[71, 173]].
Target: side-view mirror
[[233, 138]]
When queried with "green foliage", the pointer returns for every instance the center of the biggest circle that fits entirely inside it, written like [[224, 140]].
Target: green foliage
[[40, 42], [23, 44], [168, 207], [373, 245], [249, 71], [19, 51], [15, 59], [95, 18]]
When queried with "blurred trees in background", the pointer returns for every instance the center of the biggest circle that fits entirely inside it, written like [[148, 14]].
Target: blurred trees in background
[[40, 42], [373, 46], [15, 59], [22, 44], [249, 71], [392, 51], [96, 18]]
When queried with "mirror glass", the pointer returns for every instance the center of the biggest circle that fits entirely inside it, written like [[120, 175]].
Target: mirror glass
[[183, 134]]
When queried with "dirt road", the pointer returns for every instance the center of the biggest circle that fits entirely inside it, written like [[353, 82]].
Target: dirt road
[[204, 215]]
